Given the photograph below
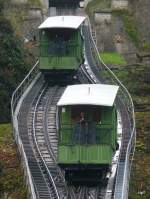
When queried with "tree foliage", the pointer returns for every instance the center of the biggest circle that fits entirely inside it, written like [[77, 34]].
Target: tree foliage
[[13, 64]]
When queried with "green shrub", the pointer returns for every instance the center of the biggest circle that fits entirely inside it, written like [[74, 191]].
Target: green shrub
[[5, 131], [14, 64], [131, 30], [146, 46], [11, 174]]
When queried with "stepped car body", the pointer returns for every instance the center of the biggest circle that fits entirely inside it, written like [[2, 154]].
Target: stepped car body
[[87, 131], [61, 45]]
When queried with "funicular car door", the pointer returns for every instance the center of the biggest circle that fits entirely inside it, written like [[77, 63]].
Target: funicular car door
[[85, 119], [87, 138]]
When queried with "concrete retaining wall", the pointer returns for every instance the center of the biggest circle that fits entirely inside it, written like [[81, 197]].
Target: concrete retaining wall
[[102, 21]]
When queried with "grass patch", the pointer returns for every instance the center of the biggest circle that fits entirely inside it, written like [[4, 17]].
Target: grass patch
[[142, 99], [5, 132], [11, 174], [112, 58], [146, 46], [140, 177]]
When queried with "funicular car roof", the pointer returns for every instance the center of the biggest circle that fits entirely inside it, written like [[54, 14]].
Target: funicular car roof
[[72, 22], [89, 94]]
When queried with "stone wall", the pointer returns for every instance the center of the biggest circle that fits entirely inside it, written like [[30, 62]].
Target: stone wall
[[26, 17], [141, 14], [122, 42], [119, 4], [103, 31], [102, 17], [111, 35]]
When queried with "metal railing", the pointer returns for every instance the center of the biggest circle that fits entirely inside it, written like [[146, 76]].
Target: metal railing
[[125, 102], [23, 86], [16, 96]]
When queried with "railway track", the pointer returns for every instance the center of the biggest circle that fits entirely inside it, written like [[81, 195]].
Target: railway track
[[40, 113], [40, 184], [42, 131], [44, 139], [38, 130]]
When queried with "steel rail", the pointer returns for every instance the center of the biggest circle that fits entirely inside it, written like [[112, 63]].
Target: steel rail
[[71, 192], [91, 193], [40, 170], [50, 148], [82, 193], [86, 73], [46, 129], [34, 133]]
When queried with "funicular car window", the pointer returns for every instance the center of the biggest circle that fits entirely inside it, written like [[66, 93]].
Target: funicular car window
[[85, 118]]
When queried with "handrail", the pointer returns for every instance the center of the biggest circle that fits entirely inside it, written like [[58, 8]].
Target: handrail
[[130, 109], [25, 81], [16, 96]]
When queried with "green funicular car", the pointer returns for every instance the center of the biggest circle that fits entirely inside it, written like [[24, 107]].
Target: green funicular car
[[87, 126], [61, 46]]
